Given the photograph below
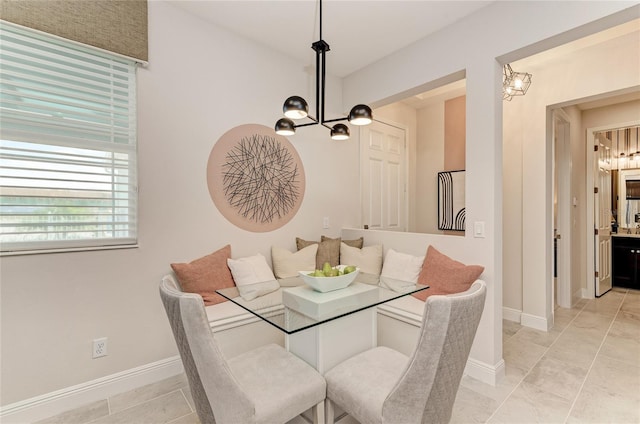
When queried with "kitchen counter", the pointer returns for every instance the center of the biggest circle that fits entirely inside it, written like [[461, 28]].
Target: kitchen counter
[[623, 233]]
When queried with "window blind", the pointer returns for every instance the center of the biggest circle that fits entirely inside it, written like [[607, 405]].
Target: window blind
[[67, 144]]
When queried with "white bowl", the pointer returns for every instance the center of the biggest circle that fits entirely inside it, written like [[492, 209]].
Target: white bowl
[[326, 284]]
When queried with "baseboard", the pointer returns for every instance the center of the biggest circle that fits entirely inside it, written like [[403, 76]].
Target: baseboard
[[49, 404], [585, 294], [484, 372], [534, 321], [511, 314]]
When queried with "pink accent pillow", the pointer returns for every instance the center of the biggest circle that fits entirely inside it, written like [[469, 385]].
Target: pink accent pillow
[[205, 275], [444, 275]]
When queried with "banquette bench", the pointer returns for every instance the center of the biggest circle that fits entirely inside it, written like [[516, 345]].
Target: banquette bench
[[398, 321]]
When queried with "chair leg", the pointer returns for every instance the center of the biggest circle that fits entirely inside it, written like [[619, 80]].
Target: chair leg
[[318, 413], [328, 411]]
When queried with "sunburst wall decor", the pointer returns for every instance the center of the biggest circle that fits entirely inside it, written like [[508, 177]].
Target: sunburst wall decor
[[255, 178]]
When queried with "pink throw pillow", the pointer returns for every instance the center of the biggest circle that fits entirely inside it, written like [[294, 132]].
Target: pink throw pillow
[[205, 275], [444, 275]]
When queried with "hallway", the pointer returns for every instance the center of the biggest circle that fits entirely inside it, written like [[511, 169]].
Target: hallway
[[585, 370]]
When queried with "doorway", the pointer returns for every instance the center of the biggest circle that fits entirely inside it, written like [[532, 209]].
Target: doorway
[[562, 209], [593, 253]]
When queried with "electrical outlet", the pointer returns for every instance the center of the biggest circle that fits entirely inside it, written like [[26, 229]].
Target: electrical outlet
[[325, 222], [99, 347]]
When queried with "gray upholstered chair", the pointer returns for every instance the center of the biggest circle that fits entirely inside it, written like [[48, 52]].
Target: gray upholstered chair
[[265, 385], [382, 385]]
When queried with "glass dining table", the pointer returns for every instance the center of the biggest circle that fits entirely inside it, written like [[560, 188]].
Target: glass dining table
[[324, 328]]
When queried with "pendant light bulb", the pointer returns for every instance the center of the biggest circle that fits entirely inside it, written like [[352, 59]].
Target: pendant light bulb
[[295, 107], [285, 127], [340, 132], [360, 115]]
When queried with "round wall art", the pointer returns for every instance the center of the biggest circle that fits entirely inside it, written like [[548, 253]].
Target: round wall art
[[255, 178]]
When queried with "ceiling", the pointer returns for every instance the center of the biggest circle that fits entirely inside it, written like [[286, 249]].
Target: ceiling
[[381, 26], [359, 32]]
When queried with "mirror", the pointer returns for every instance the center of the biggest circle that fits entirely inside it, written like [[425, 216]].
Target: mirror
[[433, 124], [625, 176]]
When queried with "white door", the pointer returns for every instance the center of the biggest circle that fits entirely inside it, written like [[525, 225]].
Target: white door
[[383, 177], [602, 214]]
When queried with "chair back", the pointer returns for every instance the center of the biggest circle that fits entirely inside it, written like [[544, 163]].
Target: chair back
[[215, 391], [428, 387]]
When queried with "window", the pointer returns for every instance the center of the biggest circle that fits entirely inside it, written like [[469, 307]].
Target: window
[[67, 144]]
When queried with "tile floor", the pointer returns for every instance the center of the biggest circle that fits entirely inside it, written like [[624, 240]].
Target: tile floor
[[585, 370]]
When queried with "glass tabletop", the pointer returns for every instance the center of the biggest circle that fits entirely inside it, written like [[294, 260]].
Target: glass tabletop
[[297, 308]]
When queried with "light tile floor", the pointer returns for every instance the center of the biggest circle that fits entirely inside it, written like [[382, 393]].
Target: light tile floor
[[585, 370]]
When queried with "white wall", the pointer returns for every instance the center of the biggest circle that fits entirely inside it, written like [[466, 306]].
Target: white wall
[[430, 154], [472, 45], [578, 214], [198, 81]]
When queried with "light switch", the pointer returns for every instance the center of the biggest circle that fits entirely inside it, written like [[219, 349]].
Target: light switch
[[478, 229], [325, 222]]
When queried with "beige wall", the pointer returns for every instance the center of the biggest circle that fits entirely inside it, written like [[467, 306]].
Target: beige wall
[[454, 133], [404, 116], [528, 240]]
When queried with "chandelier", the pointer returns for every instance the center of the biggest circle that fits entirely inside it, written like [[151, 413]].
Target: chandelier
[[295, 107], [514, 83]]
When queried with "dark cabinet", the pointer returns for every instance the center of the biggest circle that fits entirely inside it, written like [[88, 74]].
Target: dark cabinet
[[626, 262]]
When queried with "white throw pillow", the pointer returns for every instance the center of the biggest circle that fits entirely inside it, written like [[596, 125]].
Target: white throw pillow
[[287, 264], [400, 270], [402, 266], [252, 276], [368, 259]]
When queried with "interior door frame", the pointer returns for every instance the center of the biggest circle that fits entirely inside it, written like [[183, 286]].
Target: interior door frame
[[590, 221], [563, 166]]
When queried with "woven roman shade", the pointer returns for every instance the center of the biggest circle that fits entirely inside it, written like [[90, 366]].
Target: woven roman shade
[[119, 26]]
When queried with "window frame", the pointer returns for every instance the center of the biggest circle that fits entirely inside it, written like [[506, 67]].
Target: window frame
[[100, 149]]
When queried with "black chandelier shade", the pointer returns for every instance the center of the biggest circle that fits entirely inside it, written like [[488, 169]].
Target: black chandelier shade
[[340, 132], [295, 107], [360, 115], [285, 126]]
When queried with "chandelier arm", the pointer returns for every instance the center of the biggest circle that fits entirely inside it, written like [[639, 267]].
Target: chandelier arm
[[335, 120], [326, 126], [315, 122]]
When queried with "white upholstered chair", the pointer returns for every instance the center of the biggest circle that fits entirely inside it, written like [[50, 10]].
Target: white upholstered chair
[[382, 385], [266, 385]]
